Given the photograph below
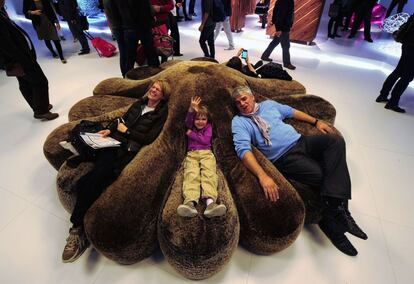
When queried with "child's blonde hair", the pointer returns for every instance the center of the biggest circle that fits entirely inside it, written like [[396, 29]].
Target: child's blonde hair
[[203, 111]]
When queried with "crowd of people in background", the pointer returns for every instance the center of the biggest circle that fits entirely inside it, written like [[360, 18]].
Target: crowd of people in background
[[132, 22]]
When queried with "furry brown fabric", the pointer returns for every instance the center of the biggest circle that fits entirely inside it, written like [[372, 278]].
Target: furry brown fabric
[[198, 247], [122, 223]]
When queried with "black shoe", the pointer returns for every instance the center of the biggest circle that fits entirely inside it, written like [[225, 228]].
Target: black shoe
[[368, 39], [194, 14], [331, 36], [82, 52], [336, 35], [178, 54], [394, 108], [351, 36], [381, 99], [188, 19], [46, 116], [290, 66], [336, 236], [351, 225], [266, 59]]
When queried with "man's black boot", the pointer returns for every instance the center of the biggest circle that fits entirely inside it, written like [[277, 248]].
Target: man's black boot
[[335, 232], [351, 225]]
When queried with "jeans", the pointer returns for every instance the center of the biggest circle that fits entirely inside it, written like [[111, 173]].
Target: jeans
[[226, 26]]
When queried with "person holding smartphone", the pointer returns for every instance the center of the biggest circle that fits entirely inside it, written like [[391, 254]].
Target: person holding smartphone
[[236, 63]]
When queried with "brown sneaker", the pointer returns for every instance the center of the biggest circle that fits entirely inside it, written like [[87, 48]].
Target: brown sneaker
[[215, 210], [76, 244], [187, 210]]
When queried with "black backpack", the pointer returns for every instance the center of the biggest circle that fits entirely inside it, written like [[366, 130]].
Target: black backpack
[[85, 151], [273, 70], [218, 14]]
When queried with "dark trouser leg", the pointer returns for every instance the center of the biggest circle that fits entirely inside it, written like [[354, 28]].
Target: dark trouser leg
[[131, 44], [206, 34], [367, 22], [191, 7], [330, 25], [263, 19], [319, 160], [275, 41], [49, 46], [174, 32], [35, 89], [401, 5], [59, 49], [91, 186], [338, 21], [185, 10], [78, 33], [285, 43], [391, 7], [145, 35], [406, 74], [391, 79], [210, 41], [119, 35]]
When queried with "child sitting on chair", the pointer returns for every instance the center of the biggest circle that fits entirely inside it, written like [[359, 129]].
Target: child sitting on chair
[[200, 165]]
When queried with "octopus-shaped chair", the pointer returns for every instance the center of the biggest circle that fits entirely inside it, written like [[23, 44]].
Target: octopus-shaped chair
[[137, 212]]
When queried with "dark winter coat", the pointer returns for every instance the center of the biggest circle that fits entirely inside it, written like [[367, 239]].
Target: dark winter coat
[[129, 14], [142, 129], [29, 5], [283, 15]]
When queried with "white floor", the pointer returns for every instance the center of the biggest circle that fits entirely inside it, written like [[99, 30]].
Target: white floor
[[33, 224]]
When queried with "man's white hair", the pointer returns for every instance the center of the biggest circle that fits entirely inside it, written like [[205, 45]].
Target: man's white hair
[[241, 90]]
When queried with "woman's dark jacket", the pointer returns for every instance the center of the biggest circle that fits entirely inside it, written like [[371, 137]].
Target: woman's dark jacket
[[29, 5], [142, 129], [129, 14], [408, 41], [283, 15]]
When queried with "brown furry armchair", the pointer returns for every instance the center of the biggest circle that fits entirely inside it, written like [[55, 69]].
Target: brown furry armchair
[[137, 212]]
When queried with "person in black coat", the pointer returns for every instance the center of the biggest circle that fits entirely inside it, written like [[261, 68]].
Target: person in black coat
[[45, 23], [139, 126], [283, 20], [397, 82], [363, 12], [70, 12], [335, 20], [401, 4], [15, 52], [132, 21]]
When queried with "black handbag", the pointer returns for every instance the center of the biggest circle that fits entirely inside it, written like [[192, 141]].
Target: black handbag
[[261, 9], [273, 70]]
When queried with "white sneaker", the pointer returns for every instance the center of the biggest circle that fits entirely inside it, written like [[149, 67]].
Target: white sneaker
[[229, 48], [68, 146]]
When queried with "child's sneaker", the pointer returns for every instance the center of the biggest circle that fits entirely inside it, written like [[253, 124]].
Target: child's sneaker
[[215, 210], [187, 210]]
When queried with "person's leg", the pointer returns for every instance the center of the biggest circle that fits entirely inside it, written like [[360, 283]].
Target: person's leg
[[359, 14], [175, 34], [275, 41], [187, 17], [338, 21], [202, 41], [145, 35], [210, 41], [49, 46], [285, 43], [131, 44], [367, 24], [59, 50], [119, 35], [191, 182], [227, 30], [191, 7], [208, 175], [401, 4], [390, 81], [391, 7], [82, 38], [217, 30], [330, 25], [406, 76]]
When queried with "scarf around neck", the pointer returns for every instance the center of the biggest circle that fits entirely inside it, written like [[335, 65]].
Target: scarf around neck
[[262, 124]]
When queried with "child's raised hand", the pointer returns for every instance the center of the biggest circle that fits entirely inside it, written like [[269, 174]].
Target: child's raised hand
[[195, 103]]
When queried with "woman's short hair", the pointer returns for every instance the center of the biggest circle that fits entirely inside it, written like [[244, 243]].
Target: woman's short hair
[[235, 63], [240, 90], [165, 89]]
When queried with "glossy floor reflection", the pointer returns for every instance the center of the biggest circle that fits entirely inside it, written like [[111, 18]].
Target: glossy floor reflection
[[348, 73]]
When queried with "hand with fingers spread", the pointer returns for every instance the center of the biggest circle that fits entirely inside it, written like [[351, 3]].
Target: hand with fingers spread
[[195, 104]]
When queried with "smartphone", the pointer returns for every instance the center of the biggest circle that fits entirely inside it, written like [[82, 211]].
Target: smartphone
[[244, 54]]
